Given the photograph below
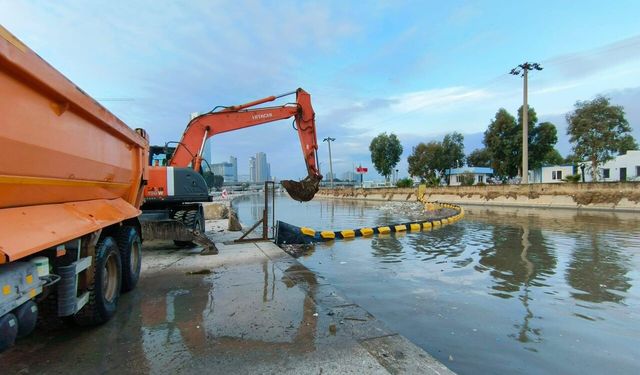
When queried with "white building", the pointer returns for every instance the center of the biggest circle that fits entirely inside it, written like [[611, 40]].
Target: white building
[[480, 175], [622, 168], [550, 174]]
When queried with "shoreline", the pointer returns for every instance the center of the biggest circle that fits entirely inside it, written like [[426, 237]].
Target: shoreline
[[623, 197]]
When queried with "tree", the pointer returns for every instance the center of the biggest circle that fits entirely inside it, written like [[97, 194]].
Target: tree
[[218, 181], [453, 151], [542, 139], [503, 142], [541, 145], [597, 130], [627, 143], [553, 157], [425, 162], [480, 157], [404, 183], [500, 139], [208, 178], [385, 153], [467, 179]]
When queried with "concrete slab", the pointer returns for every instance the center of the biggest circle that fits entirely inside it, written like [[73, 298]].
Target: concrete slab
[[399, 356]]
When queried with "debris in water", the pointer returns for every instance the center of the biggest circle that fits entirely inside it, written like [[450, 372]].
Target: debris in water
[[201, 272], [356, 319], [296, 250]]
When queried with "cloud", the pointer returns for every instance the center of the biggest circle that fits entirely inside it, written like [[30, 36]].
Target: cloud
[[590, 62], [437, 99], [463, 14]]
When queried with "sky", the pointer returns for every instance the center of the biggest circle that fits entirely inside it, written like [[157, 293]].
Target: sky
[[418, 69]]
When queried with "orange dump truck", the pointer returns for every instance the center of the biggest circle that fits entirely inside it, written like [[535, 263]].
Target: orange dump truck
[[71, 181]]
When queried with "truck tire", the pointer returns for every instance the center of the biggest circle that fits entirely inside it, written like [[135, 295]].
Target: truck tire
[[104, 291], [192, 219], [27, 316], [8, 331], [130, 246]]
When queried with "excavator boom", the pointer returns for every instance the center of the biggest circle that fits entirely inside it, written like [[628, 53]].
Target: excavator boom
[[190, 148]]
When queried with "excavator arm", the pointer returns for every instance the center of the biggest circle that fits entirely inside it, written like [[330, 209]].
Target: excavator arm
[[190, 148]]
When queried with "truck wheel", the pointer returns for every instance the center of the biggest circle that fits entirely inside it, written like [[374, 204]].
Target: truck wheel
[[27, 315], [130, 246], [8, 331], [104, 291]]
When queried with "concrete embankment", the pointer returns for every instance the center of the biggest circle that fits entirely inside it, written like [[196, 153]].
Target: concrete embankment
[[623, 196]]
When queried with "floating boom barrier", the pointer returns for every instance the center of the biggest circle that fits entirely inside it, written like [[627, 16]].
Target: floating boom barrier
[[290, 234]]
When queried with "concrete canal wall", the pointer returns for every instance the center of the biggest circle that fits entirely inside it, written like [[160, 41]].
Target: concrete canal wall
[[619, 196]]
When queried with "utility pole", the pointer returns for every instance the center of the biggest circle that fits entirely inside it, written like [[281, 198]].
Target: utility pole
[[524, 70], [329, 140]]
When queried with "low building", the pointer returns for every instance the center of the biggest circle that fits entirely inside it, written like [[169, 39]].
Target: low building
[[621, 168], [457, 175], [550, 174]]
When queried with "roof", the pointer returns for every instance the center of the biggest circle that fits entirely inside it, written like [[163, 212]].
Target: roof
[[474, 170]]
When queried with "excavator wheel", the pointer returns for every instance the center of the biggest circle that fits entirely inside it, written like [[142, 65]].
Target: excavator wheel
[[192, 219]]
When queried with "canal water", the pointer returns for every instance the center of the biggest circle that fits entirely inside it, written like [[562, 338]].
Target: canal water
[[504, 290]]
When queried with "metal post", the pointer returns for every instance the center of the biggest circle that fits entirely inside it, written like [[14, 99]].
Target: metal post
[[525, 132], [329, 140], [265, 213], [524, 69]]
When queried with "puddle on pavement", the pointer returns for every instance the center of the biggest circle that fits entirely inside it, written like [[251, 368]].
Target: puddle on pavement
[[233, 317]]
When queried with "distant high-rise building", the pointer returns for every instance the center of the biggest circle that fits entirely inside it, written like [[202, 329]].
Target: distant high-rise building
[[350, 176], [252, 169], [234, 168], [262, 168]]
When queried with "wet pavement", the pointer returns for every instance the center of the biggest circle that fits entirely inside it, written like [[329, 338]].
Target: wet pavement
[[251, 309]]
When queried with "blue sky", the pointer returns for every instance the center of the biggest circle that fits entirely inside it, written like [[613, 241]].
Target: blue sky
[[417, 69]]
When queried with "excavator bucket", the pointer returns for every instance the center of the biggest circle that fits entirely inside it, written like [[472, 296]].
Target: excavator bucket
[[303, 191], [157, 228]]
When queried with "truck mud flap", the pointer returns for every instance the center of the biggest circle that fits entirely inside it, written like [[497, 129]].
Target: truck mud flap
[[176, 231]]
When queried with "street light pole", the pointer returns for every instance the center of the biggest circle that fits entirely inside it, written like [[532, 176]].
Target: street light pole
[[329, 140], [524, 69]]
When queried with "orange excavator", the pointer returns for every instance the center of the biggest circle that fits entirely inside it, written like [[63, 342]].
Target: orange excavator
[[172, 196]]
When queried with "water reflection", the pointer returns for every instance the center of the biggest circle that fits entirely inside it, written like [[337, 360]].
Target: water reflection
[[441, 244], [388, 247], [519, 256], [597, 272], [256, 308]]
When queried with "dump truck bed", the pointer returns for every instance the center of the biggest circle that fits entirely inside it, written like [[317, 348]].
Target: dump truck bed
[[69, 166]]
